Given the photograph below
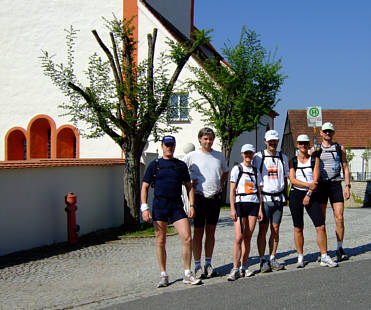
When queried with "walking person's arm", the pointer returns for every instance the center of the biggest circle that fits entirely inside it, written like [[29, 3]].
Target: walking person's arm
[[191, 196], [232, 199], [346, 172], [144, 207]]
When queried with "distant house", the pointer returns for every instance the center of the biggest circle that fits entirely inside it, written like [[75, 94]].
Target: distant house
[[352, 129]]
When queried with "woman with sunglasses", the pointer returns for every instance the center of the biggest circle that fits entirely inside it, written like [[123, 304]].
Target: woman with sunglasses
[[304, 175]]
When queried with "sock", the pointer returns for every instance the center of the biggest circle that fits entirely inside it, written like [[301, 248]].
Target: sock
[[197, 264], [300, 258], [262, 258], [272, 257], [340, 244], [323, 256], [163, 273], [243, 267], [207, 260], [187, 272]]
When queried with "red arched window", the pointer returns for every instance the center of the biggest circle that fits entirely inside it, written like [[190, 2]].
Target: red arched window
[[41, 131], [67, 142], [15, 144]]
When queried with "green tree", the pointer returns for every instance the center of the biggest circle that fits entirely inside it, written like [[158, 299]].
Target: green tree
[[239, 93], [122, 100]]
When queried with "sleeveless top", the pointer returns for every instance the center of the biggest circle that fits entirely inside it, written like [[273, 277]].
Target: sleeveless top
[[330, 165], [304, 175]]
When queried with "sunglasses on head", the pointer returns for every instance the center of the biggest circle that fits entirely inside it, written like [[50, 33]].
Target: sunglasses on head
[[303, 143]]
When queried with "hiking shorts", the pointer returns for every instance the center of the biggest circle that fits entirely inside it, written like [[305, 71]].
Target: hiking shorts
[[297, 208], [330, 190], [272, 212], [245, 209], [207, 210], [167, 210]]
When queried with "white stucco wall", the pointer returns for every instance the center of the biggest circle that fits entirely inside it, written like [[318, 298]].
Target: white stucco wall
[[27, 27], [32, 203]]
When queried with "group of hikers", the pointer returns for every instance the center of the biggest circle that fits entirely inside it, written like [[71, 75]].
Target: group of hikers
[[258, 193]]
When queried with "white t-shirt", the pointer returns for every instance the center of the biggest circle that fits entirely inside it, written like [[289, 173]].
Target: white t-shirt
[[304, 175], [246, 184], [206, 168], [273, 174]]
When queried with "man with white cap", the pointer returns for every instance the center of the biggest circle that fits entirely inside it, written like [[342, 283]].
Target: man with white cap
[[304, 175], [246, 208], [274, 169], [333, 159]]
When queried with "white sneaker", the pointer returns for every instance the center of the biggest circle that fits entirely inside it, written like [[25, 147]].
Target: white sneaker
[[327, 261], [234, 274], [246, 273], [190, 279]]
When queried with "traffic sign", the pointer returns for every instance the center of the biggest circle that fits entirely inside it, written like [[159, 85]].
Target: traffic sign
[[314, 116]]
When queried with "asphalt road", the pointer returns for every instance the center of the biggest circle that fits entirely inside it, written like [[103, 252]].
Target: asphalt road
[[345, 287]]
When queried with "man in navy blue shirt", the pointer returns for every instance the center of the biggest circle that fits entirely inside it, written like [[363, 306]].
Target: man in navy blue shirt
[[168, 174]]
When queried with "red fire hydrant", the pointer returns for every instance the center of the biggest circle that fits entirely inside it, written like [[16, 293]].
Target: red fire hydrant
[[72, 227]]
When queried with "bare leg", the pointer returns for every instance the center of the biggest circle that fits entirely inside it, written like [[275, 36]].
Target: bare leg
[[322, 239], [274, 238], [237, 242], [160, 230], [248, 232], [299, 239], [184, 230], [338, 209], [209, 240], [263, 228], [198, 233]]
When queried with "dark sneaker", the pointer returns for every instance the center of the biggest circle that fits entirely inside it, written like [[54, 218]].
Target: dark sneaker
[[191, 279], [234, 275], [264, 266], [276, 265], [199, 273], [328, 262], [340, 255], [246, 273], [209, 271], [164, 281]]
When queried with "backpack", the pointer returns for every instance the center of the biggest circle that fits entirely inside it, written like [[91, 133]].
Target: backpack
[[295, 164], [275, 156], [338, 152], [177, 166], [240, 172]]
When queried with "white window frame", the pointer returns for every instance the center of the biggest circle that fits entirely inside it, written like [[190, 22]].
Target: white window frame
[[182, 113]]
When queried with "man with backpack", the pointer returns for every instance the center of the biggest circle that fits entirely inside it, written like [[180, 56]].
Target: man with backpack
[[167, 175], [333, 159], [274, 169]]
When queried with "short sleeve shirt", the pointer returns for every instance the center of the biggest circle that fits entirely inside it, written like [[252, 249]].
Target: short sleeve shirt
[[246, 184], [207, 169], [170, 176], [274, 172]]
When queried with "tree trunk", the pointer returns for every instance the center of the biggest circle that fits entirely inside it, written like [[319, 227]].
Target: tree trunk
[[131, 190], [226, 150]]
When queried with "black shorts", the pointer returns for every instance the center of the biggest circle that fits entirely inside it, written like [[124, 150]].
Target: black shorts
[[332, 190], [245, 209], [167, 210], [297, 208], [207, 210]]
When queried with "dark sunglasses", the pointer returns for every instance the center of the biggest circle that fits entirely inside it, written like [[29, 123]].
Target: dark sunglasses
[[248, 152], [303, 143], [328, 131], [170, 144]]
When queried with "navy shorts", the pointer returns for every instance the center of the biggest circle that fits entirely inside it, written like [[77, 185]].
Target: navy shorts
[[272, 212], [167, 210], [330, 190], [207, 210], [245, 209], [297, 208]]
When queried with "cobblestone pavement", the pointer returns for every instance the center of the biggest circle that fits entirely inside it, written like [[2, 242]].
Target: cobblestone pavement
[[121, 270]]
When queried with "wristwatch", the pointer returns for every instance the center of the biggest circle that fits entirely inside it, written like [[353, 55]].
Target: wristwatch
[[348, 185], [309, 194]]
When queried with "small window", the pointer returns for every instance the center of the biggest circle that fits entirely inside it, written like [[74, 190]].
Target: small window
[[178, 107]]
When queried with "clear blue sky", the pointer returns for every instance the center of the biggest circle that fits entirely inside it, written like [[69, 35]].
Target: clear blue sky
[[325, 46]]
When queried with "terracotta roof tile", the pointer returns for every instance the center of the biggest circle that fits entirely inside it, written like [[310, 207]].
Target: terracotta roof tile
[[352, 127]]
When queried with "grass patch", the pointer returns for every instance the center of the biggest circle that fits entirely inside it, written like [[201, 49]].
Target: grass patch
[[357, 199], [225, 207], [150, 231]]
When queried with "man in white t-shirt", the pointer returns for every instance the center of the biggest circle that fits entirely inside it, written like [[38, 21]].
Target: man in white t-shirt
[[274, 169], [209, 172]]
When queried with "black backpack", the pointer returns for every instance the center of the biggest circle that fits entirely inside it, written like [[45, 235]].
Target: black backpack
[[295, 164], [275, 156], [240, 172], [177, 166]]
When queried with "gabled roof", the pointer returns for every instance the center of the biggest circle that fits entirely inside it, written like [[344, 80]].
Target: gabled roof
[[352, 127]]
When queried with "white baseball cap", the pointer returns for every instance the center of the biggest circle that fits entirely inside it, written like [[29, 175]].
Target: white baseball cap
[[271, 135], [303, 138], [328, 126], [247, 147]]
